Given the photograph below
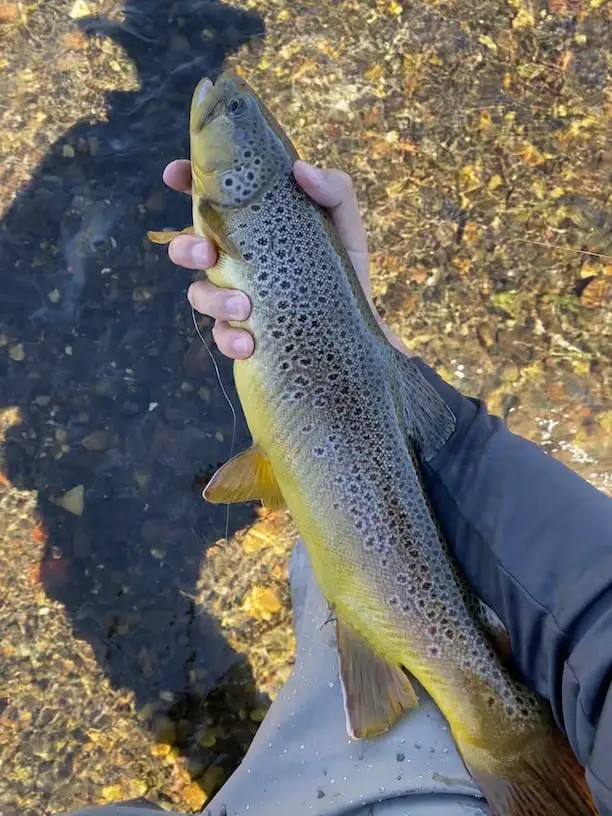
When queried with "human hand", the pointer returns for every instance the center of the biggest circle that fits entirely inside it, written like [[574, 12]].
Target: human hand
[[332, 189]]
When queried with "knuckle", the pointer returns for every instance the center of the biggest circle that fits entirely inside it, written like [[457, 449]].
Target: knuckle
[[344, 180]]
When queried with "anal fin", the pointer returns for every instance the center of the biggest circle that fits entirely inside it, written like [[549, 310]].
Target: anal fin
[[245, 477], [376, 692]]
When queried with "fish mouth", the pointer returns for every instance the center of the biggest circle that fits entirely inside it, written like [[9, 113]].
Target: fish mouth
[[208, 103], [204, 102], [209, 98]]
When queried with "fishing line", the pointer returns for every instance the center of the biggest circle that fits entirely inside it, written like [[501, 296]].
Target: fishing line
[[564, 249], [229, 402]]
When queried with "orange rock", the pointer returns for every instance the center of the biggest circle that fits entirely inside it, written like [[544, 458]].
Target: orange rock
[[565, 6], [262, 603], [9, 12], [75, 40], [596, 293], [34, 573], [193, 796], [39, 534]]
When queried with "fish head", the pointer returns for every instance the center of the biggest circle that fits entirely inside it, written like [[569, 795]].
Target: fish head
[[238, 149]]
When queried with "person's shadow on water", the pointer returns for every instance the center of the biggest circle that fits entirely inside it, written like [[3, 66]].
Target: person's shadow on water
[[115, 391]]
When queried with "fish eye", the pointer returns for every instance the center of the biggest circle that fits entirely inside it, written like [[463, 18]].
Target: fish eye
[[235, 106]]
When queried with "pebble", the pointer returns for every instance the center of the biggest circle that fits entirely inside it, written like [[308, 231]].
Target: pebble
[[17, 352], [96, 441], [73, 500], [262, 603]]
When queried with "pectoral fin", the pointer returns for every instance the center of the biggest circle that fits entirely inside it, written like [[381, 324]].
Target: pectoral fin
[[427, 419], [246, 477], [376, 692], [165, 236]]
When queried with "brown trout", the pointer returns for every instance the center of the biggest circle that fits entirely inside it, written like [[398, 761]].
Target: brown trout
[[341, 421]]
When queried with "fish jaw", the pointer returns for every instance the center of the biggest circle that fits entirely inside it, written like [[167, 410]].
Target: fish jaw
[[238, 149]]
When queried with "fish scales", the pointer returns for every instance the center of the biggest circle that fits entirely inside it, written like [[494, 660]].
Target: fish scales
[[324, 372], [340, 422]]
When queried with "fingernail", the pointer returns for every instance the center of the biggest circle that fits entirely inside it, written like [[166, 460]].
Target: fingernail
[[237, 307], [200, 254], [240, 346]]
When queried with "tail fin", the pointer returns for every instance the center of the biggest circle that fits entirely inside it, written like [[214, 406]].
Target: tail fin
[[547, 781]]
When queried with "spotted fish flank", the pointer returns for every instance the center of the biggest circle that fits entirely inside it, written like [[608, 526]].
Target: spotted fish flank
[[341, 422]]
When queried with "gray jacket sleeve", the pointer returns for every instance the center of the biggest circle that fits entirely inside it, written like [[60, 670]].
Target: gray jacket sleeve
[[535, 541]]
